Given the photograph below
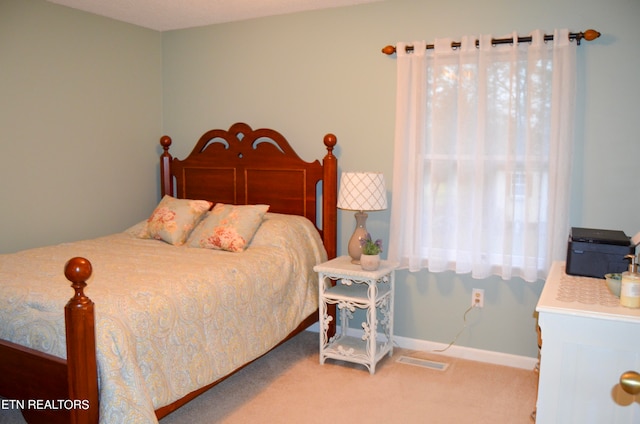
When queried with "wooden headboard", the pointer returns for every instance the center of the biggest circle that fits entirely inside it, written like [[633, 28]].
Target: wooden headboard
[[244, 166]]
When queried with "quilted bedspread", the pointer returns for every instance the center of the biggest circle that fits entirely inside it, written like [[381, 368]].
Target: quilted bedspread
[[169, 320]]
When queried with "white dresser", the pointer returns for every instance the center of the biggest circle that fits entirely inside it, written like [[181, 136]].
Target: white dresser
[[588, 342]]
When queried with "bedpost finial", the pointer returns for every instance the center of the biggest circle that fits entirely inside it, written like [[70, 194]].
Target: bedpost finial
[[165, 141], [330, 140], [78, 270]]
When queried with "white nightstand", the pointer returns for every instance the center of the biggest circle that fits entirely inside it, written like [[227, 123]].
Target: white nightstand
[[355, 288]]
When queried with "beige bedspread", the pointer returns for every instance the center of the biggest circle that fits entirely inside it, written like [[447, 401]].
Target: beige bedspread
[[168, 319]]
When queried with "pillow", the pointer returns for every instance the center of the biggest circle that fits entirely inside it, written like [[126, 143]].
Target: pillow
[[228, 227], [174, 219], [138, 230]]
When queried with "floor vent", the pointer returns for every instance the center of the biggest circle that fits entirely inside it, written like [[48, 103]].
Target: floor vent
[[424, 363]]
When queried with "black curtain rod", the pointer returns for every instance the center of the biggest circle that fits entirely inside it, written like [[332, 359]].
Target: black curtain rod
[[589, 35]]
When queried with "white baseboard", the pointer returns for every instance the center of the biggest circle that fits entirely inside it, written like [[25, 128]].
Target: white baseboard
[[462, 352]]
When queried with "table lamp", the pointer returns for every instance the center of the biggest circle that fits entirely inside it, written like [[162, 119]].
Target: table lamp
[[360, 192]]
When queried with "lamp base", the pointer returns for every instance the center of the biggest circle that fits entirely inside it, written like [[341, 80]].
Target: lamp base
[[355, 248]]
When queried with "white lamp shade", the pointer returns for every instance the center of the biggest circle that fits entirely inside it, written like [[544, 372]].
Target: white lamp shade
[[362, 191]]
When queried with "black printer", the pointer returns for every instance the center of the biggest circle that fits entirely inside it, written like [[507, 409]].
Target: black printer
[[594, 253]]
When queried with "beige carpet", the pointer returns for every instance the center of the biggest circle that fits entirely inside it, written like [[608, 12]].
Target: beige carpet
[[289, 386]]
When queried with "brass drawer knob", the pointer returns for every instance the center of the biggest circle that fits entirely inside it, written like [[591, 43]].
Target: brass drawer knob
[[630, 382]]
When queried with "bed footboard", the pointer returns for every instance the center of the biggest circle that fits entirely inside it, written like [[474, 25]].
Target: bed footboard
[[49, 389], [30, 377]]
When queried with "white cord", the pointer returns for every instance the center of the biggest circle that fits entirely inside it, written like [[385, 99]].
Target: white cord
[[460, 332]]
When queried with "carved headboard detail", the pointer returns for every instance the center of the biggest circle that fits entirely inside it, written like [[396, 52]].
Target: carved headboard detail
[[246, 166]]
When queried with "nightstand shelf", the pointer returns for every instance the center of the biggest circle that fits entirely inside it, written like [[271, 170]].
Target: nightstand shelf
[[350, 288]]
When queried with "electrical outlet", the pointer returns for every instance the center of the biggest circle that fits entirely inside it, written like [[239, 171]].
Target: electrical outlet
[[477, 298]]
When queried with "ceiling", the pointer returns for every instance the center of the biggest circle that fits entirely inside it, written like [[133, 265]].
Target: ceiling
[[164, 15]]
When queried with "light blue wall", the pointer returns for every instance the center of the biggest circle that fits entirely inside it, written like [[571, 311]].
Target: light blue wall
[[80, 117], [311, 73], [88, 97]]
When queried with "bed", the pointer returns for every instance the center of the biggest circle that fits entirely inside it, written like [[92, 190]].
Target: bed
[[162, 312]]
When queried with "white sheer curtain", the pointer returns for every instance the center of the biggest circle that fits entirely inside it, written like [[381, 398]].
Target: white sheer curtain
[[483, 156]]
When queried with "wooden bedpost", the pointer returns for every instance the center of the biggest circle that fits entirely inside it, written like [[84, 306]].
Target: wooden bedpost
[[82, 366], [329, 194], [330, 212], [165, 167]]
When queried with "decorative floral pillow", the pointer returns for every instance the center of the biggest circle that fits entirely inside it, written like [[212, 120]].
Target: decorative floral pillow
[[228, 227], [174, 219]]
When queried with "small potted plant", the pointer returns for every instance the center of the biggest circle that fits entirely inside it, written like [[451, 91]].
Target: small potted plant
[[370, 257]]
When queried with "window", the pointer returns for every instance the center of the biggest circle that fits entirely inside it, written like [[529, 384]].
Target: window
[[482, 156]]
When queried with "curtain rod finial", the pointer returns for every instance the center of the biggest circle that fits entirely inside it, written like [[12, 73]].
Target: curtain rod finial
[[388, 50], [591, 34]]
